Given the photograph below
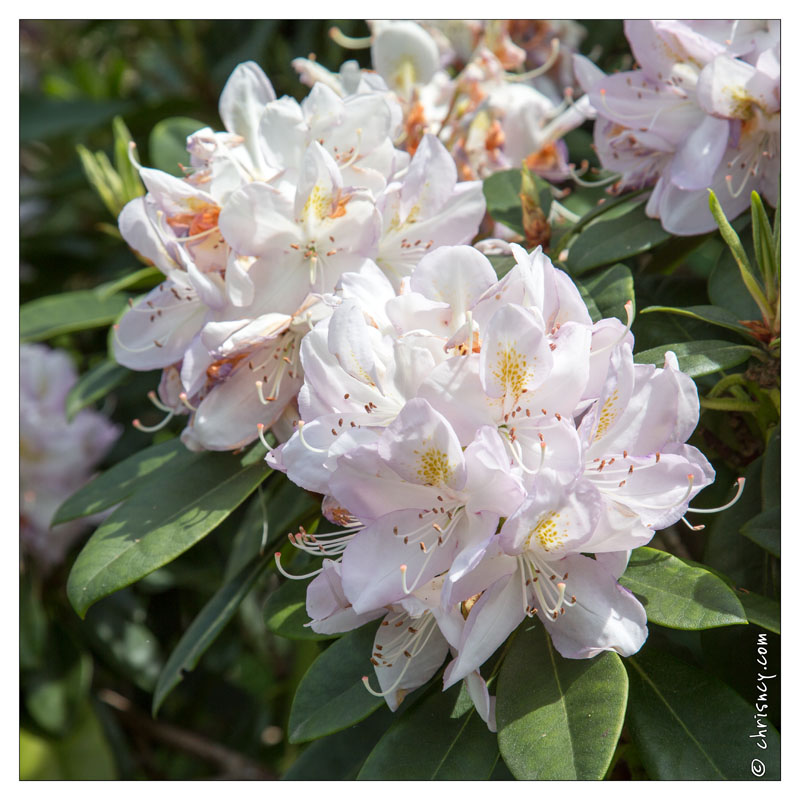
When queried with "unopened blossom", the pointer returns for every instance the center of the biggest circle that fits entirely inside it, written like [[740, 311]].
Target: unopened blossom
[[57, 456]]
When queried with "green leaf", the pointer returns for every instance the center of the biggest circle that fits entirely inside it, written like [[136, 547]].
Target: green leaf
[[32, 623], [155, 526], [94, 385], [687, 725], [761, 610], [764, 245], [711, 314], [339, 757], [765, 530], [679, 595], [558, 718], [771, 473], [145, 278], [502, 198], [607, 241], [502, 264], [168, 143], [51, 316], [125, 478], [285, 613], [441, 738], [699, 358], [205, 628], [42, 117], [609, 290], [82, 755], [331, 695]]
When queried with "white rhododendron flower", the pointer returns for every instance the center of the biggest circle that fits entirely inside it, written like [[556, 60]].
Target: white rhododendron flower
[[485, 438], [56, 456]]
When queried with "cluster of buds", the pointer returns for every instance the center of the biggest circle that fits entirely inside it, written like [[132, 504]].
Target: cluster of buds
[[487, 453]]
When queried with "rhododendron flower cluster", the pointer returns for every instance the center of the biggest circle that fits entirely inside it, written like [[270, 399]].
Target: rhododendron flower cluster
[[271, 213], [488, 453], [489, 117], [56, 456], [702, 112]]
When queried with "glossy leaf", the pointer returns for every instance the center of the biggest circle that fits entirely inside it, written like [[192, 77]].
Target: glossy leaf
[[339, 757], [558, 718], [679, 595], [285, 613], [699, 358], [761, 610], [502, 198], [609, 290], [607, 241], [51, 316], [715, 315], [440, 738], [168, 143], [765, 530], [676, 736], [157, 525], [125, 478], [94, 385], [331, 695], [205, 628]]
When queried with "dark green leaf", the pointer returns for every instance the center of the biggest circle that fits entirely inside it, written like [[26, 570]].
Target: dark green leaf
[[339, 757], [502, 198], [82, 755], [94, 385], [145, 278], [156, 525], [764, 243], [678, 595], [64, 313], [125, 478], [285, 613], [688, 725], [607, 241], [765, 530], [726, 290], [558, 718], [502, 264], [712, 314], [205, 628], [761, 610], [331, 695], [699, 358], [609, 290], [32, 624], [771, 473], [168, 143], [45, 118], [441, 738]]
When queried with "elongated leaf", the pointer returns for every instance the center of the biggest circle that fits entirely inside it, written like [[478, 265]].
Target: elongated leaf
[[607, 241], [339, 757], [94, 385], [679, 595], [331, 695], [726, 290], [442, 738], [687, 725], [64, 313], [558, 718], [205, 628], [145, 278], [771, 473], [125, 478], [609, 290], [712, 314], [156, 526], [168, 143], [764, 243], [761, 610], [285, 613], [699, 358], [502, 198], [765, 530]]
